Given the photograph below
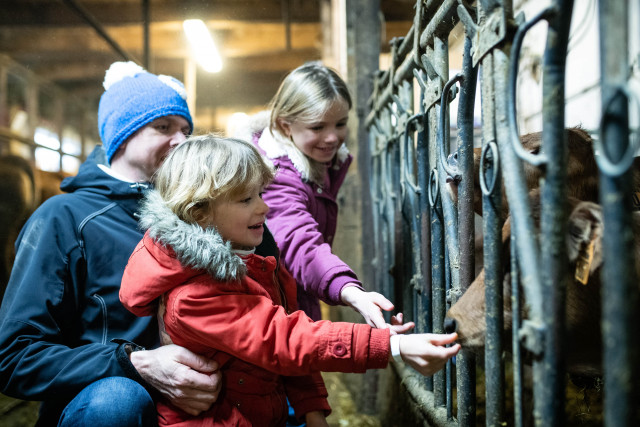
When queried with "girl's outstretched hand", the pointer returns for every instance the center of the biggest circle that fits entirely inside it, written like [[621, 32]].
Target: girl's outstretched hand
[[426, 353], [368, 304], [397, 327]]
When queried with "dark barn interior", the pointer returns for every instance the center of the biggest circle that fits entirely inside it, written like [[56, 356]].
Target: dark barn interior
[[72, 42]]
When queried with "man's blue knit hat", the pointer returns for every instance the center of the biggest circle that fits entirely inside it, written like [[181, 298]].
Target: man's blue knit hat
[[134, 98]]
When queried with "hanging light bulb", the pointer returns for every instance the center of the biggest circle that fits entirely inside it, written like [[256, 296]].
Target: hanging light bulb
[[204, 50]]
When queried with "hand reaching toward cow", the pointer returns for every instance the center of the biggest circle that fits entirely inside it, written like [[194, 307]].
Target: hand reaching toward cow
[[370, 306], [398, 327], [188, 380], [426, 353]]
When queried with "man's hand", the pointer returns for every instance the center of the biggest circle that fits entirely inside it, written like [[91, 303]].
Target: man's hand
[[188, 380]]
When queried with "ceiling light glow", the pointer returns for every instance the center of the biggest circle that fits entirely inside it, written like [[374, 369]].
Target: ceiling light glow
[[202, 45]]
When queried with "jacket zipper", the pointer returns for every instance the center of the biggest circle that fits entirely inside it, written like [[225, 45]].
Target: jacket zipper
[[140, 186], [103, 309]]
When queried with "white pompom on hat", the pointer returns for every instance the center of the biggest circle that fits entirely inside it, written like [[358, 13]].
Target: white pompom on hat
[[134, 98]]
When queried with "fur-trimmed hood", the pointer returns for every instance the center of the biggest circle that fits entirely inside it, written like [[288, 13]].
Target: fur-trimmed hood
[[275, 145], [194, 247]]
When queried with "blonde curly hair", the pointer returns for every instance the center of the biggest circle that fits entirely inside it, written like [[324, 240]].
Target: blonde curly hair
[[209, 168]]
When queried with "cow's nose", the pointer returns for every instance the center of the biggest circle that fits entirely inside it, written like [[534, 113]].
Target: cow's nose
[[449, 325]]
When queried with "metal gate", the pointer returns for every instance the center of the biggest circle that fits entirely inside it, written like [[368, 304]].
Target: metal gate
[[424, 247]]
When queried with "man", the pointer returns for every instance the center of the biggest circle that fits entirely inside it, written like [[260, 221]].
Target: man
[[65, 339]]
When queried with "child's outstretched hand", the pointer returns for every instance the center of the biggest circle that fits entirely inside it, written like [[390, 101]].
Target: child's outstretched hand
[[426, 353], [368, 304], [397, 327]]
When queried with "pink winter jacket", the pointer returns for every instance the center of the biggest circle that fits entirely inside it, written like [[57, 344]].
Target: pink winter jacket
[[303, 219]]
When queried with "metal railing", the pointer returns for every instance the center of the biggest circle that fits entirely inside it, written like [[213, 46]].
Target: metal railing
[[424, 247]]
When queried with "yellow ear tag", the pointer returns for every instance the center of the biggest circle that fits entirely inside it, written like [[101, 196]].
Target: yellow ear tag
[[583, 264]]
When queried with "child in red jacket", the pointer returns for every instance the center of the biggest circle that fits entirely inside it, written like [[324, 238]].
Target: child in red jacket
[[196, 264]]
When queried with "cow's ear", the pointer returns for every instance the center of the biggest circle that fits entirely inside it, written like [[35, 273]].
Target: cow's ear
[[584, 236]]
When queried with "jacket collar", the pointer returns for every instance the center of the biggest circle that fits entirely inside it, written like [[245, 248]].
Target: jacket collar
[[91, 177], [194, 247]]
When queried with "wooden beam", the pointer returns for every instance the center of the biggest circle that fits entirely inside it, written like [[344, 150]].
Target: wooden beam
[[66, 70], [167, 40], [109, 12]]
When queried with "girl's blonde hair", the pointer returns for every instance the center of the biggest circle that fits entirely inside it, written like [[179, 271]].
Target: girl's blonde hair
[[208, 168], [305, 95]]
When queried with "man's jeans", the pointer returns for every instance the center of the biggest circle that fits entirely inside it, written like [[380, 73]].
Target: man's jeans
[[114, 401]]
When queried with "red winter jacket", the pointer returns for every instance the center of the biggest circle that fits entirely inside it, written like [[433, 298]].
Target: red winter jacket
[[241, 315]]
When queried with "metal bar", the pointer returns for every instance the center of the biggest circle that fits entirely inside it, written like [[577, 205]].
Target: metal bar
[[146, 22], [519, 205], [409, 203], [466, 363], [441, 23], [285, 7], [407, 42], [550, 389], [424, 321], [437, 227], [376, 208], [491, 201], [412, 194], [539, 159], [389, 203], [489, 5], [367, 51], [91, 20], [449, 371], [620, 284], [518, 418], [424, 401], [493, 281], [398, 264], [437, 261]]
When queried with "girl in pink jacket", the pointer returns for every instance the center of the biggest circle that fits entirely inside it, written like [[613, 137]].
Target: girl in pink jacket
[[303, 135], [197, 269]]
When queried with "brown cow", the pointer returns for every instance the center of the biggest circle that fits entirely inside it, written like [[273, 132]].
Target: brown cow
[[582, 170], [585, 228], [582, 176]]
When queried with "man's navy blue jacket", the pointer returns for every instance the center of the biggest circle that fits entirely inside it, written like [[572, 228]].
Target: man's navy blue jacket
[[61, 309]]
